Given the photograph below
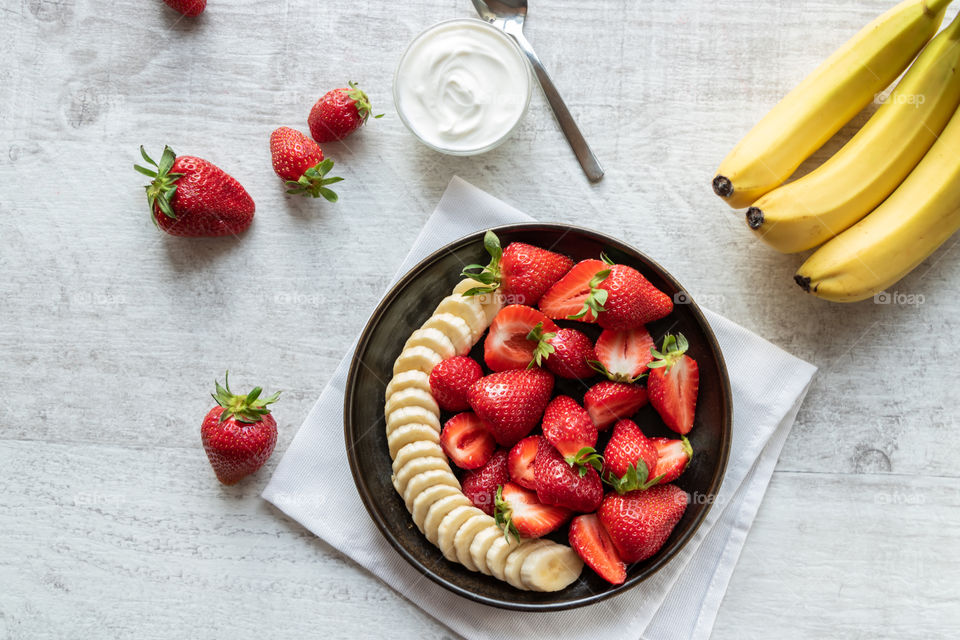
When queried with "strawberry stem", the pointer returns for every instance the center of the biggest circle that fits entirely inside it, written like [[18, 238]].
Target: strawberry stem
[[543, 348], [361, 101], [161, 190], [673, 349], [596, 299], [314, 182], [248, 409], [503, 516], [635, 479], [584, 457], [488, 275]]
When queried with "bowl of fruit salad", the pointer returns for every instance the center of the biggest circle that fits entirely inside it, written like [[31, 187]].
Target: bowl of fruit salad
[[537, 417]]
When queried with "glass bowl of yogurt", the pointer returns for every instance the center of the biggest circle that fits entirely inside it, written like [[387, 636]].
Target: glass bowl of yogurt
[[462, 86]]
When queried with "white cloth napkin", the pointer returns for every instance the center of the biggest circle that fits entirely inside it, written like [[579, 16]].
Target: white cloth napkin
[[312, 483]]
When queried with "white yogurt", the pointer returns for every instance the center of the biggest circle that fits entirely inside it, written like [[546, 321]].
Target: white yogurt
[[462, 86]]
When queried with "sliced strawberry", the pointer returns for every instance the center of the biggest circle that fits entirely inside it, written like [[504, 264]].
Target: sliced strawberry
[[480, 485], [467, 441], [568, 427], [518, 513], [673, 456], [577, 486], [450, 382], [623, 355], [629, 459], [673, 384], [520, 461], [607, 402], [519, 336], [571, 295], [572, 353], [593, 544]]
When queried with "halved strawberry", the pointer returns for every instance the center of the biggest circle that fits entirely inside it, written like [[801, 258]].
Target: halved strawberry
[[623, 356], [568, 427], [607, 402], [518, 512], [673, 456], [629, 459], [521, 459], [572, 353], [480, 485], [467, 441], [593, 544], [673, 384], [519, 337], [571, 295]]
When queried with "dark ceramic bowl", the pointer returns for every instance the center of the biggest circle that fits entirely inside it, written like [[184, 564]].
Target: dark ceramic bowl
[[411, 302]]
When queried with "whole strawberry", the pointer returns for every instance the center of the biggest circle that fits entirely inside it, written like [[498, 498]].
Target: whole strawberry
[[299, 161], [521, 272], [450, 382], [572, 354], [640, 522], [576, 487], [189, 8], [631, 299], [239, 433], [630, 459], [511, 402], [568, 427], [192, 197], [339, 113], [480, 485]]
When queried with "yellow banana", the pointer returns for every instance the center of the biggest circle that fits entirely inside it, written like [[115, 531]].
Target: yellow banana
[[898, 235], [809, 211], [826, 100]]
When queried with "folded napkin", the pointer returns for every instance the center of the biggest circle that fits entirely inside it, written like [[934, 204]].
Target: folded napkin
[[312, 484]]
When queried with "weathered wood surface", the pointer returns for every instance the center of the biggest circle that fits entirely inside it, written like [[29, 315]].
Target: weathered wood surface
[[111, 334]]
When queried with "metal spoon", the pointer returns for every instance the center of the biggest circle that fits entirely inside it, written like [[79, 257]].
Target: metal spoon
[[508, 15]]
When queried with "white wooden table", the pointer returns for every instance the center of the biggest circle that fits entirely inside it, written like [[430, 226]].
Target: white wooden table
[[111, 334]]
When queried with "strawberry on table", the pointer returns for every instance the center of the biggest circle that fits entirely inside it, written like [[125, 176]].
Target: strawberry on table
[[572, 353], [299, 161], [466, 441], [519, 337], [576, 295], [239, 434], [521, 460], [673, 384], [189, 8], [593, 544], [521, 272], [339, 113], [576, 487], [567, 426], [607, 402], [673, 456], [623, 356], [511, 402], [630, 459], [519, 513], [192, 197], [640, 522], [480, 485], [450, 382]]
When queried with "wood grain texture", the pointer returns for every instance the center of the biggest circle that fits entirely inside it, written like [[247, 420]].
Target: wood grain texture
[[111, 333]]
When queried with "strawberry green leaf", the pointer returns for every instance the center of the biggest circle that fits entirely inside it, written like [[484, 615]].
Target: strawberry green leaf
[[503, 516], [247, 409], [596, 299], [490, 274], [543, 348]]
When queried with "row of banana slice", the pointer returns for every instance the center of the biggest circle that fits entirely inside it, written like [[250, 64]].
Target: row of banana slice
[[422, 474]]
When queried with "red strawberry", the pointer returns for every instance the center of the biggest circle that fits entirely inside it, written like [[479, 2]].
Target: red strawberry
[[572, 353], [568, 427], [630, 459], [189, 8], [450, 382], [576, 487], [521, 459], [518, 338], [192, 197], [299, 161], [593, 544], [673, 383], [339, 113], [623, 355], [575, 295], [239, 434], [466, 441], [521, 272], [607, 402], [480, 485], [519, 513], [640, 522], [631, 300], [673, 456], [511, 402]]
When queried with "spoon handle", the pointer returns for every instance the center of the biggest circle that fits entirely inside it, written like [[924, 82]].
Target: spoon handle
[[591, 166]]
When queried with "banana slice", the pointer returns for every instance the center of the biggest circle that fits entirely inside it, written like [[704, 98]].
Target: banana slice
[[497, 555], [427, 498], [433, 339], [410, 415], [467, 308], [450, 527], [481, 544], [408, 433], [426, 479], [419, 449], [438, 511], [455, 328], [465, 536], [420, 358], [412, 379], [412, 398], [515, 561], [415, 467], [491, 302], [551, 568]]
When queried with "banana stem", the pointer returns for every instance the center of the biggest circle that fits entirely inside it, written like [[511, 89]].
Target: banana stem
[[935, 6]]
